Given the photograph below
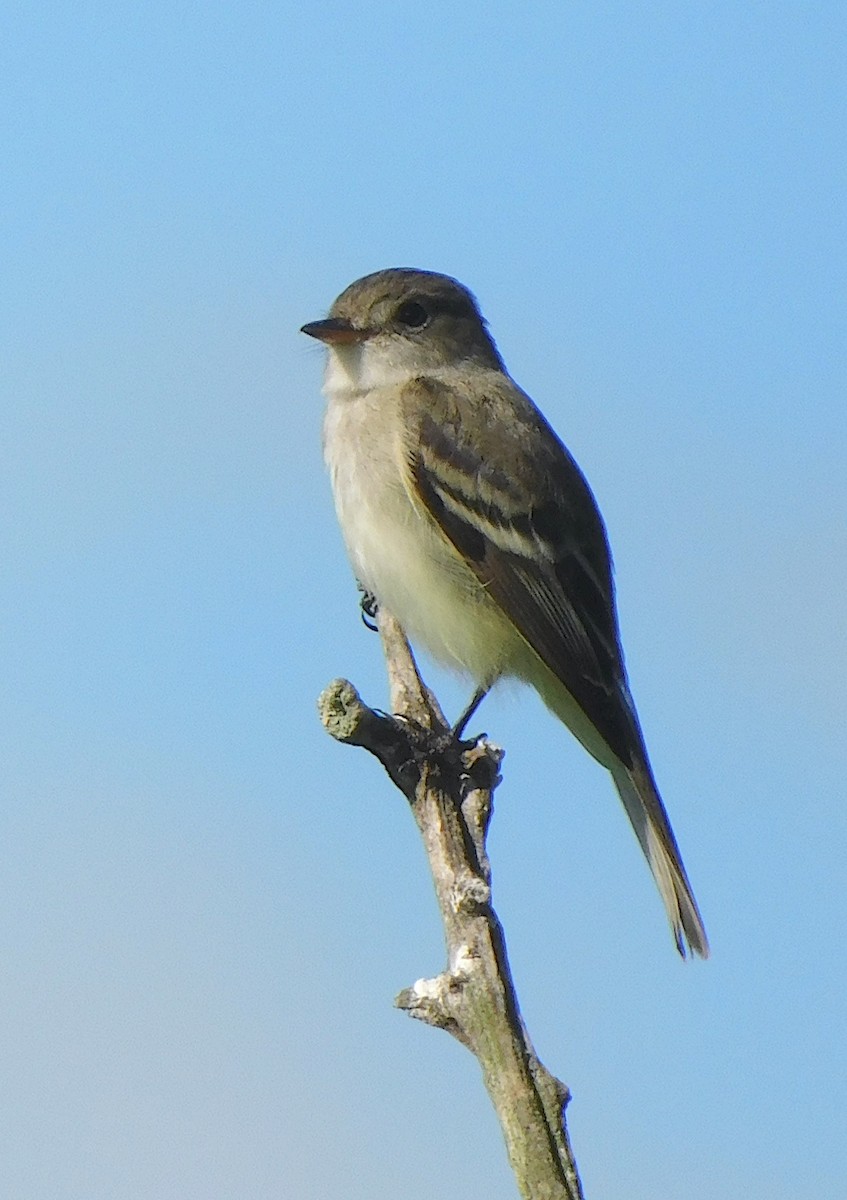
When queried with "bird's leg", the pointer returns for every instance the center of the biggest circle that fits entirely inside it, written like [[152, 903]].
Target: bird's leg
[[477, 699], [369, 606]]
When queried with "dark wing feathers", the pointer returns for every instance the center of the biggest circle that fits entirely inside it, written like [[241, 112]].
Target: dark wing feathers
[[530, 530]]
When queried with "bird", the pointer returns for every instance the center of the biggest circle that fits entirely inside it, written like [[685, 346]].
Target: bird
[[465, 516]]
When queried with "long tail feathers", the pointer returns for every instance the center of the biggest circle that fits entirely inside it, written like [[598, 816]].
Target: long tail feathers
[[645, 810]]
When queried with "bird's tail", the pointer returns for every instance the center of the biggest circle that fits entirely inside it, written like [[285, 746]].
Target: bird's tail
[[646, 811]]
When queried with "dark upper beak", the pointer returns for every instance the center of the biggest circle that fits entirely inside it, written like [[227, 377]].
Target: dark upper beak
[[335, 331]]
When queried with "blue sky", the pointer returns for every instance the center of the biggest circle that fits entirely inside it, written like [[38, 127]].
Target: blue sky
[[206, 906]]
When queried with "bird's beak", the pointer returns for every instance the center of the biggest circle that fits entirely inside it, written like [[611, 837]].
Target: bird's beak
[[335, 331]]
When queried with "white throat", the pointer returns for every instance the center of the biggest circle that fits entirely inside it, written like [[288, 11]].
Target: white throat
[[365, 367]]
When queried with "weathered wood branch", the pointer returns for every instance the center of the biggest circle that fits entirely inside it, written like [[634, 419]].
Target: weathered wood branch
[[449, 786]]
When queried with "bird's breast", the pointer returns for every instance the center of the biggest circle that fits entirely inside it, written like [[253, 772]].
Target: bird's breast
[[397, 550]]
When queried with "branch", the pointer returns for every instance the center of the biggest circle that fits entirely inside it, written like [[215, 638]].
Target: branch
[[449, 787]]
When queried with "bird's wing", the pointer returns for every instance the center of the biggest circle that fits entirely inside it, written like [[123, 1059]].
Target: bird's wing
[[516, 507], [503, 489]]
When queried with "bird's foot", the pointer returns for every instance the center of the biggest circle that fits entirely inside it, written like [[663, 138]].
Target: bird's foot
[[370, 607]]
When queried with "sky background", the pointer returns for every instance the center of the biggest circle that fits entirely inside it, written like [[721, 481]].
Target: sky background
[[207, 906]]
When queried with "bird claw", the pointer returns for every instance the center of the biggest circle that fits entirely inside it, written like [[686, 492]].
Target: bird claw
[[370, 607]]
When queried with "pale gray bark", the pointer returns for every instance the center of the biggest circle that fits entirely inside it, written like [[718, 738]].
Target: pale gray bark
[[449, 787]]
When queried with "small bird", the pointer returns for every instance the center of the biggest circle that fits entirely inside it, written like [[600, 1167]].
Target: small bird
[[466, 518]]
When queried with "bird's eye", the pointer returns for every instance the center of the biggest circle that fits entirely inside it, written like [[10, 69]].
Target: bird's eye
[[412, 314]]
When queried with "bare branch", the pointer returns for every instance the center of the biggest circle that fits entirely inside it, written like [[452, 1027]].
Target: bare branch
[[449, 786]]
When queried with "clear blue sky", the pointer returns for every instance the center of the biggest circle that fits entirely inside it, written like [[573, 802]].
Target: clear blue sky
[[206, 906]]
